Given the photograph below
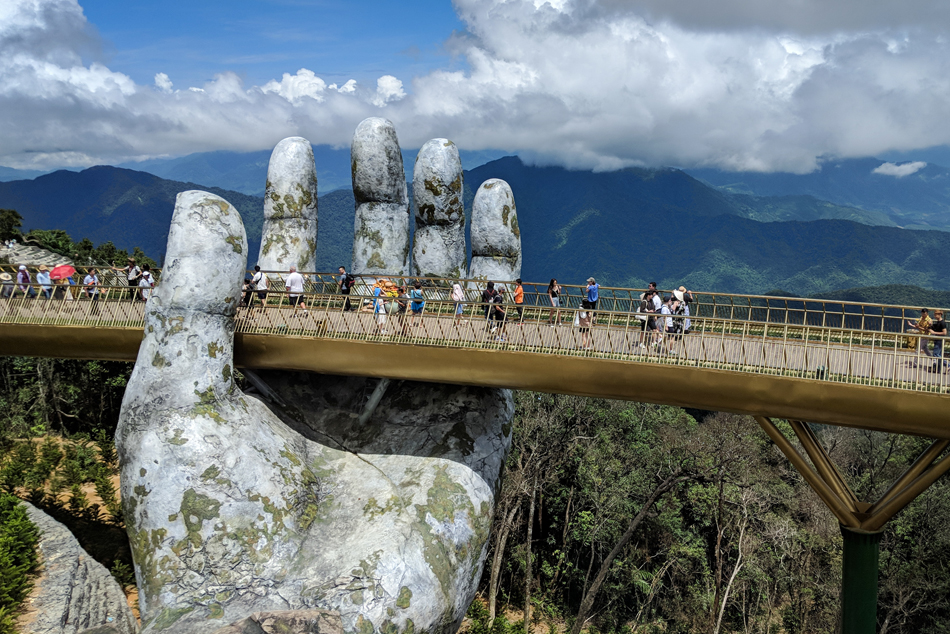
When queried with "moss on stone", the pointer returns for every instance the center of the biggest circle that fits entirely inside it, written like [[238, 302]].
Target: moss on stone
[[140, 490], [210, 473], [237, 244], [376, 261], [514, 227], [364, 626], [196, 509], [404, 599], [159, 361], [167, 617], [214, 348], [177, 438], [215, 611], [445, 498]]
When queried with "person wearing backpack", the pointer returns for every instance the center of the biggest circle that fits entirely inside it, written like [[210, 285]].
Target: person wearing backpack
[[418, 301], [487, 296], [345, 283]]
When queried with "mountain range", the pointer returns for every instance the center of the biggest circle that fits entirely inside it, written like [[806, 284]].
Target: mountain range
[[626, 227], [912, 195]]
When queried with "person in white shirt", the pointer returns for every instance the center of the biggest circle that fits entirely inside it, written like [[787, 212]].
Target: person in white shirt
[[294, 285], [91, 287], [146, 284]]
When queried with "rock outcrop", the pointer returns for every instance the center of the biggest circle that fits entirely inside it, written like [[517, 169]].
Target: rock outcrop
[[290, 208], [439, 248], [237, 506], [496, 238], [381, 238], [74, 592]]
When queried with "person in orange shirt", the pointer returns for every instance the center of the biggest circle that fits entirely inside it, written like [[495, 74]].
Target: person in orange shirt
[[519, 299]]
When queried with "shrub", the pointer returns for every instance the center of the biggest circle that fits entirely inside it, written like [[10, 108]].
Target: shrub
[[18, 540]]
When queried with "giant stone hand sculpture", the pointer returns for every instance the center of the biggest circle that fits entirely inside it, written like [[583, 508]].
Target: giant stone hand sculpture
[[235, 505]]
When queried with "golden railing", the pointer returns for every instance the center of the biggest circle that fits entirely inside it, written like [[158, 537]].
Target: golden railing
[[829, 354]]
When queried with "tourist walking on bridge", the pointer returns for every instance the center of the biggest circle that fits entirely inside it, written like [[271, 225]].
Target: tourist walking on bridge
[[146, 283], [554, 296], [458, 296], [593, 294], [519, 299], [132, 274], [46, 284], [418, 302], [344, 284], [921, 326], [939, 330], [23, 282], [294, 286], [91, 288], [487, 296]]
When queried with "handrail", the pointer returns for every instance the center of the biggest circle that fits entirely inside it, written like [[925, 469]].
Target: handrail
[[762, 308], [804, 351]]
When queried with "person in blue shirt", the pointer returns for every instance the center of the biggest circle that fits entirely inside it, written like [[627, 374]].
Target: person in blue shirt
[[418, 301], [379, 309], [593, 295]]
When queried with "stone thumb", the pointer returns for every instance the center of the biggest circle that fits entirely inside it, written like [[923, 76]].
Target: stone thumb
[[186, 354]]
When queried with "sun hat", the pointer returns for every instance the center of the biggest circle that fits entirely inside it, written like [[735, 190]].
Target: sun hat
[[6, 277], [678, 294], [43, 268], [23, 267], [591, 280]]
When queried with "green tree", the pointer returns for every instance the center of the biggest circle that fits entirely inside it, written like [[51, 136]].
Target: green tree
[[10, 224]]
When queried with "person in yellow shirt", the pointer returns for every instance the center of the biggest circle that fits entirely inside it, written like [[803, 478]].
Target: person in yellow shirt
[[922, 326]]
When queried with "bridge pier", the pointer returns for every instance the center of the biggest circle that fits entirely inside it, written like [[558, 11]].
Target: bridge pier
[[861, 523], [859, 581]]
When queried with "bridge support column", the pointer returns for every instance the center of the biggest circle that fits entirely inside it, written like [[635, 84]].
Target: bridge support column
[[859, 581]]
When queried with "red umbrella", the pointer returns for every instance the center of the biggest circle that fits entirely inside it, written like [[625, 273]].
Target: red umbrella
[[61, 272]]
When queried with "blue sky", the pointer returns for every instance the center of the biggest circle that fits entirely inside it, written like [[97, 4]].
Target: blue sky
[[193, 41], [593, 84]]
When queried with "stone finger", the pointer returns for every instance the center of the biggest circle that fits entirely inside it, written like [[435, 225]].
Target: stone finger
[[289, 236], [381, 236], [439, 241], [496, 238]]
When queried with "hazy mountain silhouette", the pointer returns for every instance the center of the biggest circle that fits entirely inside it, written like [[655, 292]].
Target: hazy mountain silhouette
[[917, 200]]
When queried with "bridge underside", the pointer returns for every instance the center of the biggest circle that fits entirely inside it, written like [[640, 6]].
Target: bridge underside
[[874, 408]]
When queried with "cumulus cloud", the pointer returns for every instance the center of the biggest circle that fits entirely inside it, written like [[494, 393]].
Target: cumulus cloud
[[388, 88], [597, 84], [900, 171], [163, 83]]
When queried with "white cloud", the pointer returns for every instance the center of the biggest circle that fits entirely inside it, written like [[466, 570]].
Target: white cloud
[[388, 88], [596, 84], [294, 88], [900, 171], [163, 83]]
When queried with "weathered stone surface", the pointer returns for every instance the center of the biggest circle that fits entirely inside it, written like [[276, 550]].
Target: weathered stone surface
[[439, 247], [235, 508], [381, 241], [496, 238], [289, 622], [74, 592], [290, 208]]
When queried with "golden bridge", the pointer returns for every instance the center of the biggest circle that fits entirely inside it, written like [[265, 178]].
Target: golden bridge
[[821, 361]]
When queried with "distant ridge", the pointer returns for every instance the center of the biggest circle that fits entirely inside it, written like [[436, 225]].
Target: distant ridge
[[626, 228]]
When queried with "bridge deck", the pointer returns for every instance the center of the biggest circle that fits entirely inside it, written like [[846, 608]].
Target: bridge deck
[[838, 376]]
